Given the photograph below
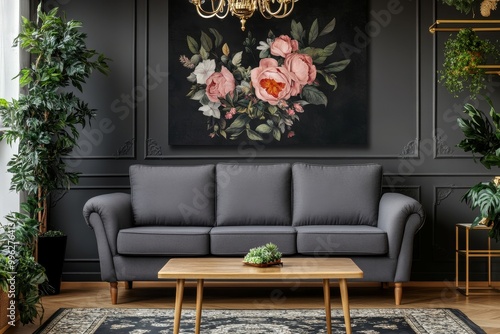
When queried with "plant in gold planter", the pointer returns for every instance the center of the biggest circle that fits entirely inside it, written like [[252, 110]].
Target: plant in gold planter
[[463, 55], [482, 136]]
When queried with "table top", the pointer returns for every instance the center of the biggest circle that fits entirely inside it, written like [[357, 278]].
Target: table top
[[477, 227], [234, 268]]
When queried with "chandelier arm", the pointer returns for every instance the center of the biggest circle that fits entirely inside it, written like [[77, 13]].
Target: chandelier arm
[[218, 11], [265, 9]]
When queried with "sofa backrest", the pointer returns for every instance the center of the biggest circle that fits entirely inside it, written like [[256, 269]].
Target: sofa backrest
[[330, 195], [253, 194], [173, 195]]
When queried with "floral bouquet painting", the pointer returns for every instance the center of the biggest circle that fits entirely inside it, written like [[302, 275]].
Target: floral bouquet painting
[[259, 89]]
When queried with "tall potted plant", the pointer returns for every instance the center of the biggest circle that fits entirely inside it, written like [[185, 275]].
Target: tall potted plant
[[482, 136], [45, 122]]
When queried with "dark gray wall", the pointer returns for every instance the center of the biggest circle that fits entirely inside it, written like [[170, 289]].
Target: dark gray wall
[[412, 131]]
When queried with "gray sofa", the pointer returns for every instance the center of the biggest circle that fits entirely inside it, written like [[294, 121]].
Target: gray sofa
[[225, 209]]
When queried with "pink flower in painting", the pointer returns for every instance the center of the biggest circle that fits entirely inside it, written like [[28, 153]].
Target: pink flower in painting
[[283, 46], [271, 82], [301, 65], [290, 134], [298, 107], [219, 84], [290, 112]]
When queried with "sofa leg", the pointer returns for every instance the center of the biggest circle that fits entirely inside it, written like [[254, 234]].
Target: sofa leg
[[128, 285], [113, 289], [398, 292]]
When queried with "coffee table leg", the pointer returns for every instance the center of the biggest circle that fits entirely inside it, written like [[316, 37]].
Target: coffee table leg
[[179, 295], [328, 307], [345, 304], [199, 301]]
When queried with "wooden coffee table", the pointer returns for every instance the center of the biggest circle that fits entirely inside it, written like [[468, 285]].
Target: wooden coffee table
[[201, 269]]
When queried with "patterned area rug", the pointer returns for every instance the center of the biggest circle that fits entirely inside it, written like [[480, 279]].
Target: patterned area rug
[[159, 321]]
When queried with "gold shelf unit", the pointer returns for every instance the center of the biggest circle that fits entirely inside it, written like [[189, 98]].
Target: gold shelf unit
[[456, 25], [451, 25]]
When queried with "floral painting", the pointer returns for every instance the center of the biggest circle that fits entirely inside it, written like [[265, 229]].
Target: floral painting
[[263, 85]]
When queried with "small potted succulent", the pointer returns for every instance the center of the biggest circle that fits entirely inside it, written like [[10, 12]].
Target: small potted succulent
[[463, 56], [263, 256]]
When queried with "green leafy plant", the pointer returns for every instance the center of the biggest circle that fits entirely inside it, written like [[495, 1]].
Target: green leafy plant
[[268, 253], [18, 264], [463, 6], [486, 197], [482, 136], [463, 55], [45, 123]]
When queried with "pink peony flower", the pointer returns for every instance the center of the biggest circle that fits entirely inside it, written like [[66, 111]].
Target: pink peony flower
[[301, 65], [283, 46], [290, 112], [228, 115], [271, 82], [219, 84]]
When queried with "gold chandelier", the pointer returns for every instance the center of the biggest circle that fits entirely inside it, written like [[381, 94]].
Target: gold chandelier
[[244, 9]]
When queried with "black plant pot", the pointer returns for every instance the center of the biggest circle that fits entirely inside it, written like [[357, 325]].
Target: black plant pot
[[51, 252]]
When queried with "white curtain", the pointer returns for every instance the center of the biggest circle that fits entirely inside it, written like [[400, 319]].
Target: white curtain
[[10, 13]]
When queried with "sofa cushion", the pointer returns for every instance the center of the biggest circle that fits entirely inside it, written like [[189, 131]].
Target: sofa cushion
[[164, 241], [253, 194], [237, 240], [173, 195], [328, 195], [345, 240]]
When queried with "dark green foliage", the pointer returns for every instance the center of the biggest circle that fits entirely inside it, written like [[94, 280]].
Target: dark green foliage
[[17, 245], [486, 197], [462, 56], [482, 136], [44, 122], [463, 6]]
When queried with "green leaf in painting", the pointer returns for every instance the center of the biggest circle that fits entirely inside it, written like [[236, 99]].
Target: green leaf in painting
[[237, 59], [330, 78], [192, 45], [277, 134], [297, 31], [218, 37], [240, 122], [314, 96], [264, 128], [206, 42], [329, 28], [330, 48], [313, 33], [252, 135], [337, 66]]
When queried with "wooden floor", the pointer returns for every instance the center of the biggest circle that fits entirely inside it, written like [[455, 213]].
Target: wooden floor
[[483, 310]]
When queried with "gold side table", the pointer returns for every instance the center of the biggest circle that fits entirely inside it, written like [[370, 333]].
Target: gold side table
[[473, 253]]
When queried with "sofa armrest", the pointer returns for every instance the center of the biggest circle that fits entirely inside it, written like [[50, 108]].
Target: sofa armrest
[[107, 215], [400, 216]]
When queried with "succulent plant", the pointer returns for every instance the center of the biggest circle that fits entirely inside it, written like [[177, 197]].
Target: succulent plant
[[263, 254]]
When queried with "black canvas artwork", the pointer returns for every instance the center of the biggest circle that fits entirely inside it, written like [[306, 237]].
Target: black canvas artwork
[[301, 80]]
